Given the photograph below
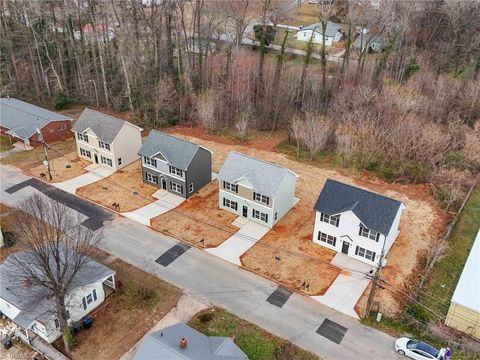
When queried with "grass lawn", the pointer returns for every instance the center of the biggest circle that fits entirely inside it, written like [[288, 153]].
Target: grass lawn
[[255, 342], [5, 143], [447, 271]]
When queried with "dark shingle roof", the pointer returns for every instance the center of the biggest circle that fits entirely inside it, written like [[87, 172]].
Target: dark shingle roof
[[376, 212], [105, 126], [22, 119], [176, 151]]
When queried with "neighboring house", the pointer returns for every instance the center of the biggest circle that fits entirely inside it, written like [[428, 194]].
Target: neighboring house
[[21, 120], [374, 43], [23, 303], [332, 34], [181, 342], [100, 33], [464, 311], [174, 164], [106, 140], [255, 189], [356, 222], [195, 46]]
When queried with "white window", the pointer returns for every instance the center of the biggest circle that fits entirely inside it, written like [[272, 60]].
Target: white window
[[190, 188], [151, 178], [260, 215], [82, 137], [230, 204], [176, 187], [119, 161], [62, 127], [106, 161], [89, 298], [103, 145], [149, 161], [370, 234], [330, 219], [261, 198], [57, 323], [367, 254], [329, 239], [175, 171], [85, 153], [230, 187]]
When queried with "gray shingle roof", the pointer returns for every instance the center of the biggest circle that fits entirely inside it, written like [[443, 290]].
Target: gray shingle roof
[[376, 212], [265, 177], [330, 31], [22, 119], [105, 126], [176, 151], [164, 345], [27, 299]]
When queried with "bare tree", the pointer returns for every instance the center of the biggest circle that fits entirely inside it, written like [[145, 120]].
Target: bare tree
[[54, 248], [242, 124], [205, 105]]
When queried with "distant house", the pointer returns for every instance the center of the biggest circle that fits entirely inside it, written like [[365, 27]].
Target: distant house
[[464, 311], [356, 222], [181, 342], [332, 33], [194, 45], [106, 140], [374, 43], [21, 302], [176, 165], [255, 189], [101, 33], [21, 120]]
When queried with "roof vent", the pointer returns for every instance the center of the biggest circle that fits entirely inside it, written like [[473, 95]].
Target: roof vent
[[183, 343]]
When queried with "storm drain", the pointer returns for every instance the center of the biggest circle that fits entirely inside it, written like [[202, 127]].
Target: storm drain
[[279, 297], [332, 331], [172, 254]]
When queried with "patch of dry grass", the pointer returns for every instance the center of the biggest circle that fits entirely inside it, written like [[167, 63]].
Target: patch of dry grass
[[59, 170]]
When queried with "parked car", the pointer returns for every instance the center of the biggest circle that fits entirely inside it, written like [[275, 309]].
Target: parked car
[[415, 349]]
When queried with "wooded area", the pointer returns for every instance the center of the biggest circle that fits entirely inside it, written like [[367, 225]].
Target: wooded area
[[409, 113]]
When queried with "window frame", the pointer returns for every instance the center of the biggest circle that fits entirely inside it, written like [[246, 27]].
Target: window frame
[[190, 188], [85, 153], [152, 176], [230, 187], [106, 161], [327, 239], [257, 214], [264, 199], [150, 161], [369, 233], [175, 171], [89, 298], [230, 204], [365, 253], [330, 219], [176, 186], [103, 145], [82, 137]]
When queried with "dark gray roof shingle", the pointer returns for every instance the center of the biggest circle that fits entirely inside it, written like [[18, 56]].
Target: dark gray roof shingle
[[265, 177], [164, 345], [22, 119], [178, 152], [376, 212], [330, 31], [105, 126]]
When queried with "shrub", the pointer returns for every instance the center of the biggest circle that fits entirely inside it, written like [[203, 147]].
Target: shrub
[[418, 312], [62, 101], [208, 316]]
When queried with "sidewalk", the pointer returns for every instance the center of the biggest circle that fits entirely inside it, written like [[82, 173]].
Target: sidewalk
[[95, 173]]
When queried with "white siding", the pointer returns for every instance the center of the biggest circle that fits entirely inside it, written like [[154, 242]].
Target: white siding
[[285, 198], [394, 231], [305, 35], [8, 309], [94, 148], [126, 145], [250, 204]]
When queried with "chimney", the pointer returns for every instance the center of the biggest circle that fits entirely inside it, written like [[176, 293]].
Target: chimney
[[183, 343], [27, 282]]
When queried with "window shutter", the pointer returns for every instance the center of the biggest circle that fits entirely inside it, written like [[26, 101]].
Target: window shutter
[[223, 201], [94, 292], [223, 184], [266, 218], [360, 231], [337, 221], [236, 188], [254, 195], [356, 250], [84, 302], [321, 216], [373, 256], [378, 236], [268, 200], [319, 233]]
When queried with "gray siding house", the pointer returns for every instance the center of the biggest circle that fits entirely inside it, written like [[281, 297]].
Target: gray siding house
[[174, 164]]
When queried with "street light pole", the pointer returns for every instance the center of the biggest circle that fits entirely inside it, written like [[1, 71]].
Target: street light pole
[[375, 280], [96, 92]]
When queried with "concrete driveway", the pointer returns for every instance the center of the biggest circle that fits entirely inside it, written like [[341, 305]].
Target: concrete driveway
[[95, 173], [166, 202], [237, 244]]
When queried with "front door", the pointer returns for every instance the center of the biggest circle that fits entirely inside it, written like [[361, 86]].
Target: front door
[[245, 211], [345, 247], [164, 184], [96, 158]]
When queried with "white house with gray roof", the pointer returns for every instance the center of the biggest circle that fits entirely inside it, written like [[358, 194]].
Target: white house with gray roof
[[176, 165], [356, 222], [255, 189], [106, 140], [332, 33], [24, 304], [181, 342]]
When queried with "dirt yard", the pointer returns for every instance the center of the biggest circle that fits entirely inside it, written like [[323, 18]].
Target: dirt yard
[[123, 319], [214, 225], [124, 187], [421, 223], [60, 172]]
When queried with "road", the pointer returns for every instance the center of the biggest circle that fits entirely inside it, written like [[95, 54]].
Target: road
[[217, 282]]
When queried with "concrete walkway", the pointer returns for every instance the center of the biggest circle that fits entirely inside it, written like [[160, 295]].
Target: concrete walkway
[[185, 310], [166, 202], [95, 173], [237, 244], [348, 287], [16, 148], [47, 350]]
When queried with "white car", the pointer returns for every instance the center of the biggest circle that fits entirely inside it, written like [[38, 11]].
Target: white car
[[415, 349]]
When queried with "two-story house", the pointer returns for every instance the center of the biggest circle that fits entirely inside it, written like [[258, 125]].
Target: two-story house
[[255, 189], [356, 222], [176, 165], [106, 140], [24, 304]]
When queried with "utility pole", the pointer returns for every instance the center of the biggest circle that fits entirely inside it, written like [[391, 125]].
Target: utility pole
[[45, 150], [375, 280]]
